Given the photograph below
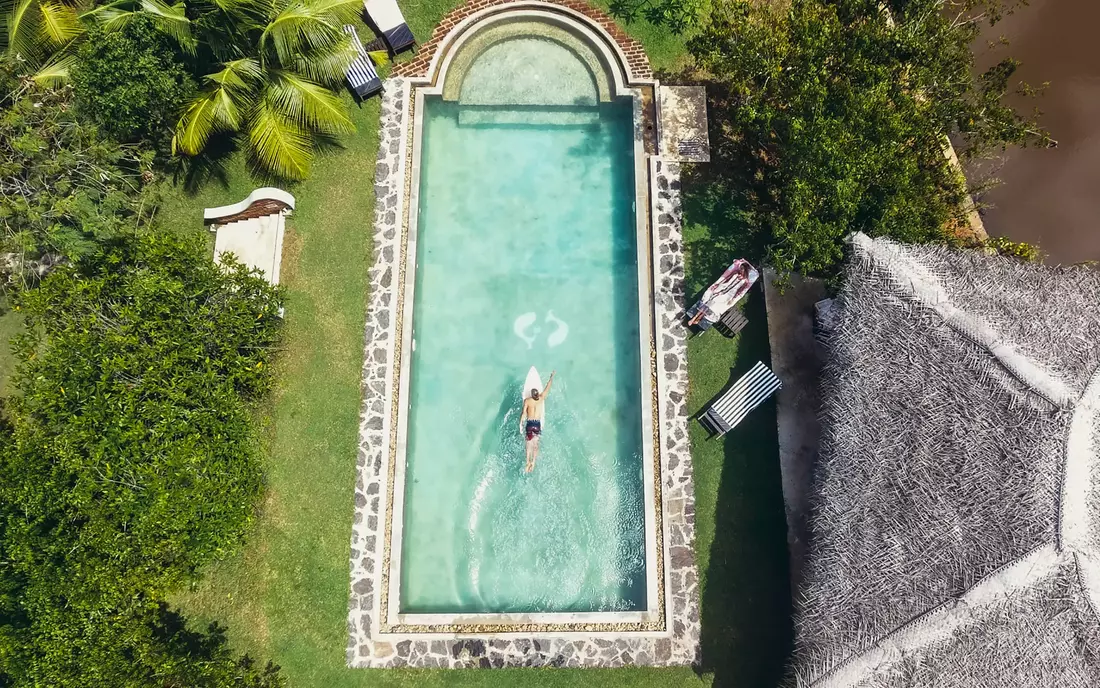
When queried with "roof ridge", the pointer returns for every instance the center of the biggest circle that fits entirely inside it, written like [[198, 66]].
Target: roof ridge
[[1077, 532], [940, 622], [926, 290]]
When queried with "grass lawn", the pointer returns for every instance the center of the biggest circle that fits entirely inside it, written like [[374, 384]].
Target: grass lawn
[[11, 324], [285, 595]]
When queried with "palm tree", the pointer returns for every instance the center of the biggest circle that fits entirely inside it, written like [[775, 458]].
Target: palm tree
[[43, 34], [279, 63], [277, 90], [38, 33]]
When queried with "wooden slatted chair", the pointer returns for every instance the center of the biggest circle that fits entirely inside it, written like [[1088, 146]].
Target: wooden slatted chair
[[739, 400], [731, 323]]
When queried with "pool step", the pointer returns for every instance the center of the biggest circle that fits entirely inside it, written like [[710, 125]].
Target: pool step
[[535, 116]]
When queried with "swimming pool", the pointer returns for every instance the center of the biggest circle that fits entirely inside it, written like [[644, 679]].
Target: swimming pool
[[526, 210], [526, 255]]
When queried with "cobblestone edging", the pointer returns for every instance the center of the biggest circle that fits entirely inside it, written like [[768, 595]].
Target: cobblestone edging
[[367, 647], [636, 59], [677, 482], [366, 559]]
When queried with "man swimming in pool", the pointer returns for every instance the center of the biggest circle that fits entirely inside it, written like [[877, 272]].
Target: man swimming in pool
[[530, 421]]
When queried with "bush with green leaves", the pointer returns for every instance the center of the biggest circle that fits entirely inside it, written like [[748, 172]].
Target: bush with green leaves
[[65, 188], [130, 82], [831, 116], [129, 459]]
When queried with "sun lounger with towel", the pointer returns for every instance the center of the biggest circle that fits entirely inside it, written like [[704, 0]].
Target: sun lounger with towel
[[361, 74], [736, 403], [723, 295], [387, 18]]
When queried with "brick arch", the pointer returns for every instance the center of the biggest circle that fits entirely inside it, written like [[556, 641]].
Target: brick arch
[[636, 61]]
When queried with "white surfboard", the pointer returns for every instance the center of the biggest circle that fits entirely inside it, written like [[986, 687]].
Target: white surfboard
[[533, 381]]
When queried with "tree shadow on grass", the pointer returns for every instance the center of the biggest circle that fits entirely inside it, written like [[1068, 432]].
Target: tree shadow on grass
[[746, 607], [746, 604], [721, 199], [211, 166]]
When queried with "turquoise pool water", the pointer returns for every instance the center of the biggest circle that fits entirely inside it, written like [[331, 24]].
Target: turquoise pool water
[[526, 256]]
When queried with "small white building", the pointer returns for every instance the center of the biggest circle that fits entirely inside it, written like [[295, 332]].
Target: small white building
[[252, 230]]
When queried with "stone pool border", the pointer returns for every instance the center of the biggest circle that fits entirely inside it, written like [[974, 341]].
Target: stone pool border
[[674, 639]]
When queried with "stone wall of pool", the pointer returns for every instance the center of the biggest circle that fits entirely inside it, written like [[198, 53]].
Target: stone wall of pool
[[667, 635]]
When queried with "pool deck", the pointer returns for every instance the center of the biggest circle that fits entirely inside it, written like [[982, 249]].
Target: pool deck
[[666, 632]]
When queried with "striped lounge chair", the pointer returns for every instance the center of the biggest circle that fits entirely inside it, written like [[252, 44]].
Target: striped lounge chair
[[361, 74], [386, 17], [736, 403]]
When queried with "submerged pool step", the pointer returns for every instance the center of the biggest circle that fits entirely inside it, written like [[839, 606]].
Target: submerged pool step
[[471, 116]]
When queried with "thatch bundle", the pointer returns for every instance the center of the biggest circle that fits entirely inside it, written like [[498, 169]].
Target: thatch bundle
[[955, 529]]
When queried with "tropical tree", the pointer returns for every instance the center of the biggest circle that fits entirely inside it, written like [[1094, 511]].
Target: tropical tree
[[276, 88], [831, 116], [272, 68], [42, 35], [129, 460], [66, 189], [37, 33], [130, 82]]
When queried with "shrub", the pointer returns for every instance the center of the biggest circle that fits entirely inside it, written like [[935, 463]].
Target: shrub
[[130, 82], [1026, 252], [130, 460], [64, 187]]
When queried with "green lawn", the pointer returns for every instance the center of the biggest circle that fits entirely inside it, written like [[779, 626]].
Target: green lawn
[[11, 323], [285, 595]]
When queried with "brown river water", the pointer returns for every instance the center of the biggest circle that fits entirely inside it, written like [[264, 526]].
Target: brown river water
[[1052, 196]]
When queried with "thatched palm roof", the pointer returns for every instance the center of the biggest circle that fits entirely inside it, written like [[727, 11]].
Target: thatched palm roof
[[955, 530]]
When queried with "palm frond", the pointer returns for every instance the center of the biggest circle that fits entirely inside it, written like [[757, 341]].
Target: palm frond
[[308, 105], [56, 71], [380, 58], [60, 23], [168, 19], [111, 16], [195, 125], [171, 20], [344, 11], [277, 145], [229, 94], [236, 74], [210, 112], [300, 28], [19, 31], [227, 110], [33, 29], [327, 66]]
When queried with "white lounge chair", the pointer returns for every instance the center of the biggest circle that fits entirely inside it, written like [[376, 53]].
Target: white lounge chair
[[362, 76], [387, 18], [746, 394]]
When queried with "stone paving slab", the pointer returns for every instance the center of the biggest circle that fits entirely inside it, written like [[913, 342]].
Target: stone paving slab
[[684, 135]]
